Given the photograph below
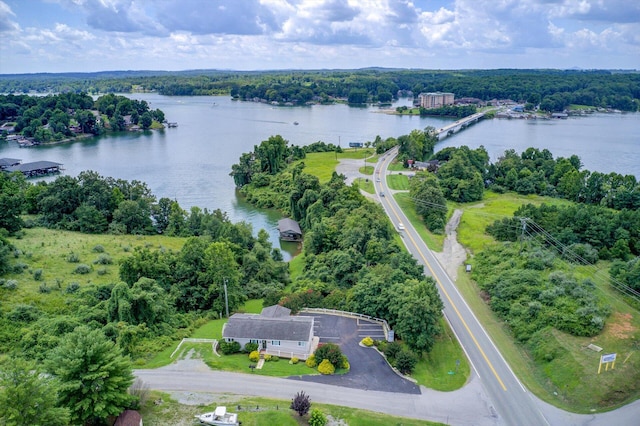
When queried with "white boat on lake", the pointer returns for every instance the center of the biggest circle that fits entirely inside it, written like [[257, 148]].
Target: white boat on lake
[[219, 417]]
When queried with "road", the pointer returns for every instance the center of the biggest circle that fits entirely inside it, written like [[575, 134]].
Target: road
[[513, 403]]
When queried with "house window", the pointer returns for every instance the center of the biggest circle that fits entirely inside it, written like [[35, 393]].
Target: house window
[[303, 344], [253, 341], [275, 343]]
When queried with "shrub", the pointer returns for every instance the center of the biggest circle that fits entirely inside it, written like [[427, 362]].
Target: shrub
[[301, 403], [344, 363], [326, 367], [98, 249], [406, 361], [102, 271], [82, 269], [329, 351], [294, 360], [274, 358], [103, 259], [250, 347], [10, 284], [22, 312], [19, 267], [44, 289], [367, 341], [317, 418], [254, 356], [37, 274], [392, 349], [267, 357], [311, 361], [72, 288], [228, 348], [73, 258]]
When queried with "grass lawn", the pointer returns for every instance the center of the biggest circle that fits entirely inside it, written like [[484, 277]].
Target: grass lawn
[[366, 170], [437, 369], [477, 216], [398, 182], [397, 167], [366, 186], [162, 409], [433, 241]]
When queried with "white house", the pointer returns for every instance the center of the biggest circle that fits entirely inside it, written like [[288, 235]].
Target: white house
[[275, 331]]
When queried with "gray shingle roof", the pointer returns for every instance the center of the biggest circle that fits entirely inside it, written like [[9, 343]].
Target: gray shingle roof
[[253, 326], [289, 225], [4, 162], [36, 165], [275, 311]]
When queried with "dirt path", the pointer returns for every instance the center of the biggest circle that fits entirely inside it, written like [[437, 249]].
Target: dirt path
[[453, 253]]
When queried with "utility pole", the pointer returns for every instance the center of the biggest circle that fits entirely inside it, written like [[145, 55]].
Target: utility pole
[[523, 222], [226, 297]]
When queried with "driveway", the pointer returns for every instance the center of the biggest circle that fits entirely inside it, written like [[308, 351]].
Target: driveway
[[369, 370]]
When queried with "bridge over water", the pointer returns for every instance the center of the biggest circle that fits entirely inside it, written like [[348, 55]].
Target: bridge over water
[[460, 124]]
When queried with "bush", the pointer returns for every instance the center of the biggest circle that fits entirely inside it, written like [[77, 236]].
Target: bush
[[102, 271], [329, 351], [73, 258], [326, 367], [294, 360], [44, 289], [72, 288], [344, 363], [10, 284], [250, 347], [367, 341], [19, 267], [254, 356], [82, 269], [37, 274], [317, 418], [98, 249], [406, 361], [267, 357], [228, 348], [274, 358], [25, 313], [311, 361], [392, 349], [301, 403], [103, 259]]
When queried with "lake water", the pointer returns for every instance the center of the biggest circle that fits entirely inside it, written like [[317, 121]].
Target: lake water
[[191, 163]]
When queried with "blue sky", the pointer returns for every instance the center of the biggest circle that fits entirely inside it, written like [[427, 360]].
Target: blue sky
[[99, 35]]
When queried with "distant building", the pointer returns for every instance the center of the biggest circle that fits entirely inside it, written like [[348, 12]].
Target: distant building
[[435, 99], [289, 230]]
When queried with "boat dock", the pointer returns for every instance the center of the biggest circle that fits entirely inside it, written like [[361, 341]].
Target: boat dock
[[35, 169]]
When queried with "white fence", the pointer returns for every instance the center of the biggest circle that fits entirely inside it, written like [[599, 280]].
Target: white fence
[[388, 333]]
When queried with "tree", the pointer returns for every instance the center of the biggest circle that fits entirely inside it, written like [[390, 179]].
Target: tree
[[146, 120], [425, 191], [94, 375], [301, 403], [405, 361], [11, 201], [329, 351], [134, 216], [28, 398]]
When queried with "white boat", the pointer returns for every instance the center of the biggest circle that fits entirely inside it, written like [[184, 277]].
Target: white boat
[[219, 417]]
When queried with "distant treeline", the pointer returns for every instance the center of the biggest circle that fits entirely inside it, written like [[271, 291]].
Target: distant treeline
[[553, 90]]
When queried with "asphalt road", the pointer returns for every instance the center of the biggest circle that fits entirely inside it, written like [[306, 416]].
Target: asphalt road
[[514, 404], [511, 400]]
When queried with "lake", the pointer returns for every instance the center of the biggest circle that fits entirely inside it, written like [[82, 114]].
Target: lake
[[191, 163]]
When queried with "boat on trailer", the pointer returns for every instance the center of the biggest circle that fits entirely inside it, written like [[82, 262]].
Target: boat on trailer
[[219, 417]]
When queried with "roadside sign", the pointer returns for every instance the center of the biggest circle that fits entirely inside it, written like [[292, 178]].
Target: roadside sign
[[607, 359]]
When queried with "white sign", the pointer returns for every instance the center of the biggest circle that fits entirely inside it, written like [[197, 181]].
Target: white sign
[[608, 358]]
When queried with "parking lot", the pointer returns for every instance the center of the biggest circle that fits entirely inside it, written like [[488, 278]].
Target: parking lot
[[369, 370]]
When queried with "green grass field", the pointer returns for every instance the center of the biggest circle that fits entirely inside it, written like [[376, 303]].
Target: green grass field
[[161, 409], [365, 185], [433, 241], [398, 182]]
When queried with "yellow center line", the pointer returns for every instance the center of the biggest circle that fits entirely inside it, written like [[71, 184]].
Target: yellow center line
[[493, 370]]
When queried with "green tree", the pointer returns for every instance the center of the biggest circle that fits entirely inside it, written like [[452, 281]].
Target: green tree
[[94, 376], [134, 216], [429, 201], [146, 120], [11, 201], [417, 310], [221, 268], [28, 398]]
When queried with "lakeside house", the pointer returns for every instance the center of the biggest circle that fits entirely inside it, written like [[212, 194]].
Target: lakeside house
[[275, 330]]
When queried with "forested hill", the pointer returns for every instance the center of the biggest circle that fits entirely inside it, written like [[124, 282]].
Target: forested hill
[[553, 90]]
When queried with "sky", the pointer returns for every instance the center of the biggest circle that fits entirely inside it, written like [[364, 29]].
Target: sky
[[104, 35]]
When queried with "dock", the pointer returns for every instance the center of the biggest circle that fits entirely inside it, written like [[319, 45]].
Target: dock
[[35, 169]]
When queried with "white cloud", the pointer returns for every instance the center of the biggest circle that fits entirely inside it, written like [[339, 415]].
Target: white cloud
[[6, 19]]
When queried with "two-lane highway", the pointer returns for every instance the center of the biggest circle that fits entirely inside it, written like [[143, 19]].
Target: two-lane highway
[[513, 403]]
